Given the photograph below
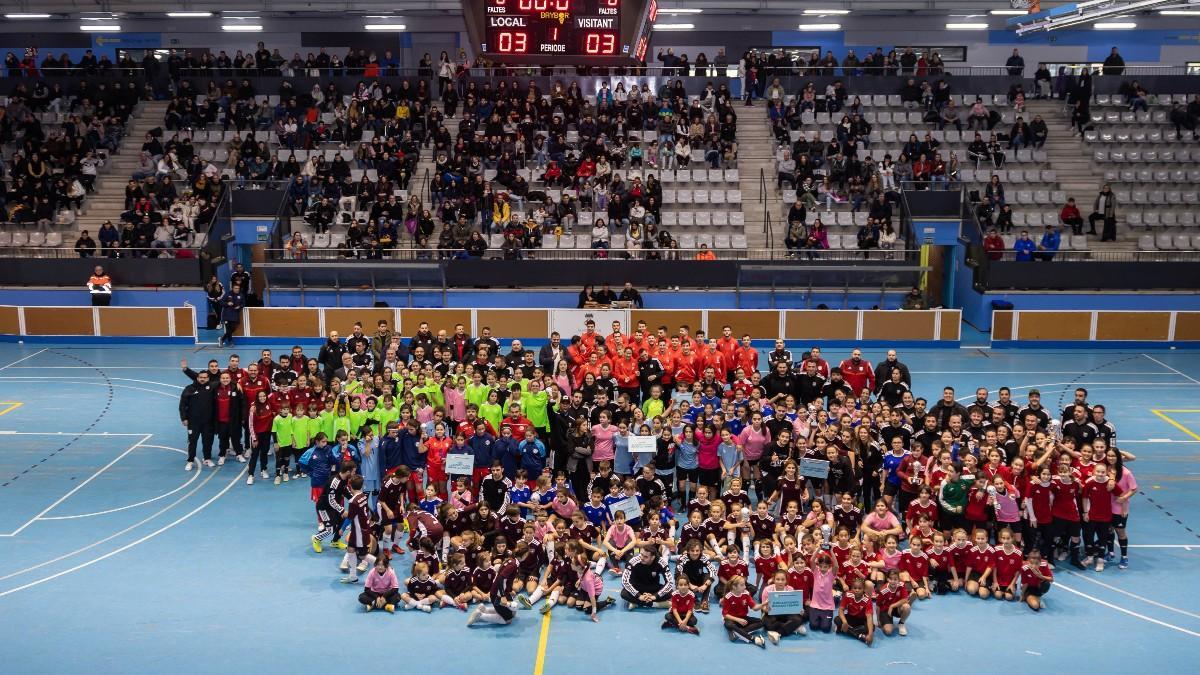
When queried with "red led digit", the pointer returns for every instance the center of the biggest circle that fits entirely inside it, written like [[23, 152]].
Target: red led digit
[[653, 11], [600, 43], [525, 5], [610, 3], [508, 42], [562, 5]]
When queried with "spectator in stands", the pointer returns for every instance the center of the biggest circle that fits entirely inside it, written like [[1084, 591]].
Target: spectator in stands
[[996, 151], [1080, 116], [1015, 64], [978, 116], [949, 115], [1004, 219], [1104, 209], [1024, 247], [910, 94], [1113, 63], [1183, 118], [1069, 215], [1041, 81], [995, 190], [1038, 132], [100, 288], [85, 246], [993, 245], [1048, 246], [631, 295], [978, 150], [1019, 135]]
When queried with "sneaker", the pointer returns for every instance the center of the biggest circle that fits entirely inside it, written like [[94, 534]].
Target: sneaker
[[1110, 557], [424, 608], [1099, 564], [340, 544], [802, 630], [758, 640], [241, 458], [221, 460], [461, 605], [209, 463], [349, 579], [474, 615], [390, 609], [263, 474], [344, 566], [902, 630], [1078, 564], [369, 607], [703, 607], [250, 479], [1087, 562], [285, 478], [362, 567], [1124, 564], [546, 607], [773, 637], [1062, 555], [316, 544], [524, 600], [629, 606], [187, 467], [397, 550], [277, 480]]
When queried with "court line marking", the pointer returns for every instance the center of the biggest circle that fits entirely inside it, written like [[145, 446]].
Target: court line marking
[[1173, 370], [1135, 596], [77, 377], [543, 639], [1130, 612], [12, 405], [195, 475], [67, 433], [1161, 415], [77, 488], [1186, 547], [99, 383], [136, 542], [211, 475], [24, 358]]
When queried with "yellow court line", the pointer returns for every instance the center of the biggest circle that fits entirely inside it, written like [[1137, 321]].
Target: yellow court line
[[542, 640], [1175, 424], [12, 405]]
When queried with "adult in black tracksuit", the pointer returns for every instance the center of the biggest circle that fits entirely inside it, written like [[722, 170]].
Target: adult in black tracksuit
[[197, 411], [647, 579]]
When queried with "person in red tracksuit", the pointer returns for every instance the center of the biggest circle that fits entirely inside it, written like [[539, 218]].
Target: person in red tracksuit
[[688, 367], [858, 373], [625, 372], [729, 348], [230, 406], [747, 356]]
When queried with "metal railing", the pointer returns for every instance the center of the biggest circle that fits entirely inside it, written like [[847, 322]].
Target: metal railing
[[1103, 256], [64, 252], [765, 254]]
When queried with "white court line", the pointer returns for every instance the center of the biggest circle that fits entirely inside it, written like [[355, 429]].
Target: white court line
[[79, 487], [114, 379], [100, 383], [1130, 612], [135, 542], [195, 475], [1159, 440], [1135, 596], [1078, 383], [168, 507], [1173, 370], [24, 358], [66, 433], [978, 372], [1186, 547]]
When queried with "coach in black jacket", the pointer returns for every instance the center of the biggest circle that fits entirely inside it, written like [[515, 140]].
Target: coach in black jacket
[[197, 411]]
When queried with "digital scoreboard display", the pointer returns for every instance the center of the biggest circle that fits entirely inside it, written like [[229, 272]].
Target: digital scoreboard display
[[561, 32]]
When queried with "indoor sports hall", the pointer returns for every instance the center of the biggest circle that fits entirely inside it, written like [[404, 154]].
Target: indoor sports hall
[[535, 337]]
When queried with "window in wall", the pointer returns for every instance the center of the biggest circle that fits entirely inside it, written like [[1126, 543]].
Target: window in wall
[[1073, 68], [1193, 67], [948, 54]]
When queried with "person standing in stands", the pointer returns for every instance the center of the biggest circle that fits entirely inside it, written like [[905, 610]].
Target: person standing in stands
[[1104, 209], [100, 286], [231, 313]]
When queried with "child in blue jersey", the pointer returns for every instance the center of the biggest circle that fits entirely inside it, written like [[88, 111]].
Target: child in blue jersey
[[597, 511], [368, 450], [431, 502], [731, 459], [320, 465], [696, 407], [521, 493], [711, 397], [891, 463]]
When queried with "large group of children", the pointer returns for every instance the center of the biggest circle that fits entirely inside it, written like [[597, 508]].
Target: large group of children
[[670, 462]]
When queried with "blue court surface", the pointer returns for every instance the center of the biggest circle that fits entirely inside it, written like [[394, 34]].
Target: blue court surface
[[111, 555]]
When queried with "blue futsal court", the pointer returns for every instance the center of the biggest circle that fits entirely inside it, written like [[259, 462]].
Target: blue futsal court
[[114, 559]]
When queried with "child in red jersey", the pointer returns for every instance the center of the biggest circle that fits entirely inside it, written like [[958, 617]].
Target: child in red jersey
[[1006, 564], [766, 561], [979, 566], [1036, 577], [1038, 509], [682, 615], [854, 616], [735, 612], [914, 568], [1065, 510], [731, 566], [854, 569], [891, 602], [1098, 514], [960, 550], [941, 566]]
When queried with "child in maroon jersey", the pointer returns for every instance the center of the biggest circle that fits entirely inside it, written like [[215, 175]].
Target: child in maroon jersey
[[891, 601], [979, 566], [1006, 561], [1098, 514]]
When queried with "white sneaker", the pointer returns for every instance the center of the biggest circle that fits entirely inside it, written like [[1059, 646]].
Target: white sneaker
[[424, 608], [250, 479], [802, 630], [187, 467], [208, 463], [241, 458], [221, 460], [263, 474], [1087, 562], [474, 616], [903, 630], [1099, 564], [774, 637]]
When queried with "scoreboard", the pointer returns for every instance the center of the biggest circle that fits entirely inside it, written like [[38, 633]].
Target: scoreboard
[[561, 32]]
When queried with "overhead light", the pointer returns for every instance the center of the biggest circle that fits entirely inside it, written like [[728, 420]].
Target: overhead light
[[820, 26], [826, 12], [966, 26], [1180, 12], [26, 15], [1115, 25], [674, 26], [106, 17], [100, 28], [674, 12], [385, 26], [241, 27], [189, 15], [1008, 12]]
